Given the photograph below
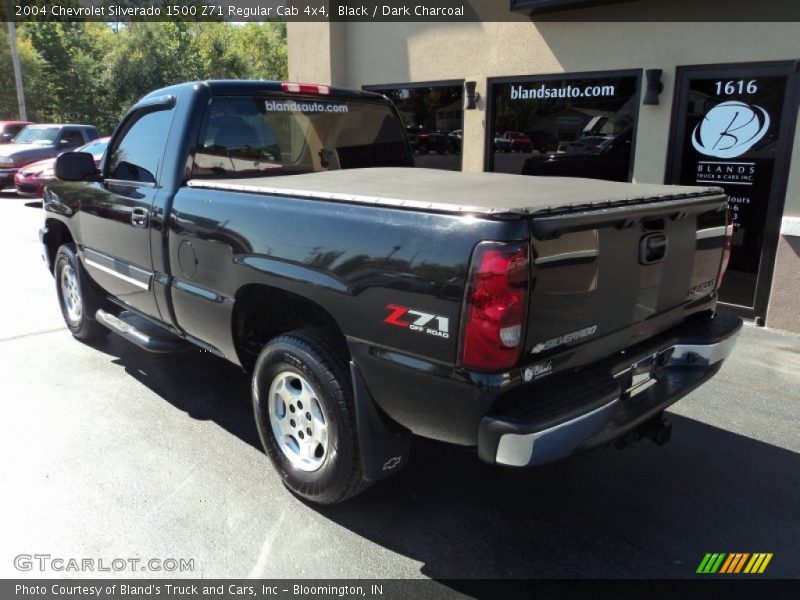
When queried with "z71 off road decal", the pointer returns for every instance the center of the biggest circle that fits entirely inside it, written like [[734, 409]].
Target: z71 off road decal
[[416, 320]]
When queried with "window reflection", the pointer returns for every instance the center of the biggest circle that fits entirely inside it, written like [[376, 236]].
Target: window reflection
[[261, 136], [136, 156], [569, 127], [433, 117]]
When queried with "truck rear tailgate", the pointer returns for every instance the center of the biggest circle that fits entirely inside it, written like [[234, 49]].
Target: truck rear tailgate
[[604, 279]]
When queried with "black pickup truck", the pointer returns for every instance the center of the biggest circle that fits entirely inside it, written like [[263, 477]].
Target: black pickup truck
[[281, 226]]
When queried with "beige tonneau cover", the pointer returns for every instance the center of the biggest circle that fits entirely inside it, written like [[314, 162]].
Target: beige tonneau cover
[[453, 191]]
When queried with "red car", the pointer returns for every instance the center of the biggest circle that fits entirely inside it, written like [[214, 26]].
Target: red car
[[519, 141], [31, 179], [8, 129], [424, 140]]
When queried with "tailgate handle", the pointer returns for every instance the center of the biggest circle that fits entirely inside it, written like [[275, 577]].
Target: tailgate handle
[[652, 248]]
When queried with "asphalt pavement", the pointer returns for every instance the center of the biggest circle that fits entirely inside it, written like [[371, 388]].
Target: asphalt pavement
[[109, 452]]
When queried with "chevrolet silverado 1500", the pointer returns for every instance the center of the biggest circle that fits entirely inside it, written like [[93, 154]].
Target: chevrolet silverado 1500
[[282, 227]]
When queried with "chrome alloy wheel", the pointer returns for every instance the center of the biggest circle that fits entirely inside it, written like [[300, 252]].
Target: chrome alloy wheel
[[297, 420], [71, 295]]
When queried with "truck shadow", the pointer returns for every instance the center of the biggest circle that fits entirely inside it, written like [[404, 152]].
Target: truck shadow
[[194, 381], [640, 512], [644, 511]]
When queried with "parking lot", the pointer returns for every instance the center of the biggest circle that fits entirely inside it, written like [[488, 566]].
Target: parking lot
[[110, 452]]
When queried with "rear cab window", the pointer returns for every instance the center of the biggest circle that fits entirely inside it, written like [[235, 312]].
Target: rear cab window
[[71, 138], [258, 136]]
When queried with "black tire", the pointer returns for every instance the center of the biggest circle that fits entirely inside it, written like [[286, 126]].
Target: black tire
[[423, 148], [319, 357], [81, 323]]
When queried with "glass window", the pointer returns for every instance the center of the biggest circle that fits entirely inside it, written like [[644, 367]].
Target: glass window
[[137, 155], [38, 134], [246, 136], [569, 127], [71, 138], [433, 118], [95, 148]]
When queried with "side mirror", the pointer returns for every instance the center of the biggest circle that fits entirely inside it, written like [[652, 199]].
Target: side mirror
[[76, 166]]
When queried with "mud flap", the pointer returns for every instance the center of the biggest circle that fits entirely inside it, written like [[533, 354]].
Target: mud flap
[[384, 450]]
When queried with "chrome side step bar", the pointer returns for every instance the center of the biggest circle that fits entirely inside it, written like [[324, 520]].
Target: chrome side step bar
[[138, 336]]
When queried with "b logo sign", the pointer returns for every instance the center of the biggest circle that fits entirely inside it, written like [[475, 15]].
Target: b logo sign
[[730, 129]]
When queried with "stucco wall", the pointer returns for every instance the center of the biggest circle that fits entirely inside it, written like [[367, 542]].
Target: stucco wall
[[316, 52]]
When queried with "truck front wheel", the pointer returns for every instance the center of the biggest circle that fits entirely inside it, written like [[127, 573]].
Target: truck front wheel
[[76, 296], [303, 403]]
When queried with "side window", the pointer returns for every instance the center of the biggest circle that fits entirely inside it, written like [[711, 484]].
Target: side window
[[137, 154], [433, 116], [70, 138], [236, 140], [92, 148]]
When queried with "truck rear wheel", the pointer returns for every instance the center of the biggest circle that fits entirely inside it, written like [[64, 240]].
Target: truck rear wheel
[[303, 403], [76, 296]]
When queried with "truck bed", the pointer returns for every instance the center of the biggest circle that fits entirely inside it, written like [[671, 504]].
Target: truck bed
[[497, 194]]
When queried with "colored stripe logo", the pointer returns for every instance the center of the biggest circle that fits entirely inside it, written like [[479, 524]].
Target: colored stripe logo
[[732, 563]]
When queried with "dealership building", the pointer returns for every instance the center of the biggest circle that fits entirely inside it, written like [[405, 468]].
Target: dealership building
[[623, 91]]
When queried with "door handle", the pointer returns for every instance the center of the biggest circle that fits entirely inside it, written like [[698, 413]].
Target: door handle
[[139, 217]]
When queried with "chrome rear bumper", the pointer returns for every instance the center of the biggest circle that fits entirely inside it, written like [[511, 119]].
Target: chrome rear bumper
[[621, 403]]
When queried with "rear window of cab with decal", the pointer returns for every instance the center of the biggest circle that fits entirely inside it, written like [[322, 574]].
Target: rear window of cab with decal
[[260, 136]]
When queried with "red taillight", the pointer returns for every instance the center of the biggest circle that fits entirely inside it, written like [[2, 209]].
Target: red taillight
[[495, 306], [306, 88], [726, 249]]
